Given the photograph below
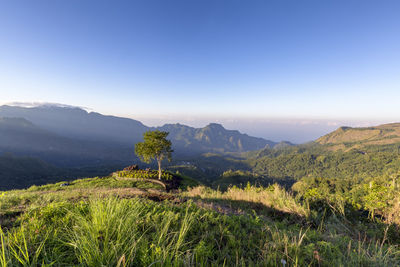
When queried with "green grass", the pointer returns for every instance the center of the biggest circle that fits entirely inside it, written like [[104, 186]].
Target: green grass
[[37, 196], [96, 182], [108, 222], [137, 232]]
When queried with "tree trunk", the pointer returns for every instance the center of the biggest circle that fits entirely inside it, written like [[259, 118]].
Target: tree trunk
[[159, 168]]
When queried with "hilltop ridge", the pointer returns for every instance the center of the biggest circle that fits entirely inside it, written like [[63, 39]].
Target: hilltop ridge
[[213, 137], [347, 138]]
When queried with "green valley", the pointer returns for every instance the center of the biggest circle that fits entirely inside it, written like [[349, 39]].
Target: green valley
[[314, 204]]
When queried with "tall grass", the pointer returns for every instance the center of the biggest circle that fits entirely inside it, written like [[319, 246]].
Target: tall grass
[[106, 233], [137, 232], [17, 249], [117, 231]]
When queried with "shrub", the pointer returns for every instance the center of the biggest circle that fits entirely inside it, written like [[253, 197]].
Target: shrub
[[144, 174]]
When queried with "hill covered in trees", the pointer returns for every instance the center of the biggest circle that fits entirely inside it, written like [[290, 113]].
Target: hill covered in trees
[[361, 160]]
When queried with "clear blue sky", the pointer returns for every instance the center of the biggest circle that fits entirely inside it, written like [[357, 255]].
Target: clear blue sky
[[208, 59]]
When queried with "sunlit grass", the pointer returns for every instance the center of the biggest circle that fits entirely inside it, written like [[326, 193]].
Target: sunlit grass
[[90, 224]]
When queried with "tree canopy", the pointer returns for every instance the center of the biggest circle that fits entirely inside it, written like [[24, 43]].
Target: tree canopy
[[155, 146]]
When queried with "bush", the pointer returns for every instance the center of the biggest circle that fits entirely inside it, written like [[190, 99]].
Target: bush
[[144, 174]]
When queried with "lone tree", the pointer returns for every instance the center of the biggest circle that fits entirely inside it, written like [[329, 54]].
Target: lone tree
[[155, 146]]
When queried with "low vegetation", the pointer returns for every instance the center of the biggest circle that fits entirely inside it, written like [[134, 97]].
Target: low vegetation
[[144, 174], [111, 222]]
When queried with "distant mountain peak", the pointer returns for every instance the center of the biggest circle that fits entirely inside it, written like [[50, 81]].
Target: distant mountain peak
[[44, 105], [214, 125], [344, 128]]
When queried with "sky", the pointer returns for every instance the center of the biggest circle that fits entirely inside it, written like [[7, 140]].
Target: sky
[[283, 70]]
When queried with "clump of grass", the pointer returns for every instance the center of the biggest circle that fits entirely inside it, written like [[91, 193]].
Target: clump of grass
[[18, 248], [105, 233], [117, 231]]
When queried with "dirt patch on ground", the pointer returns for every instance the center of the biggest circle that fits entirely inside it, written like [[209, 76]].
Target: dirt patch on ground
[[158, 197], [163, 197], [7, 219], [167, 184], [152, 194], [124, 192]]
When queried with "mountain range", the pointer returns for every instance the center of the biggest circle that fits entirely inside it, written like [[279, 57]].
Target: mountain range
[[63, 141], [70, 136]]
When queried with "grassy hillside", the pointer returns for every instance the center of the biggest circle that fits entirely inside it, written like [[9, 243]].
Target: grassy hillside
[[347, 138], [112, 222]]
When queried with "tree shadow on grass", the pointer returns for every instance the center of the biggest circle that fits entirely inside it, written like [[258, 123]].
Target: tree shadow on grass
[[357, 221], [243, 207]]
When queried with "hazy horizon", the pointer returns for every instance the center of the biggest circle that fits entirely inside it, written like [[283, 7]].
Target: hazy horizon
[[295, 130]]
